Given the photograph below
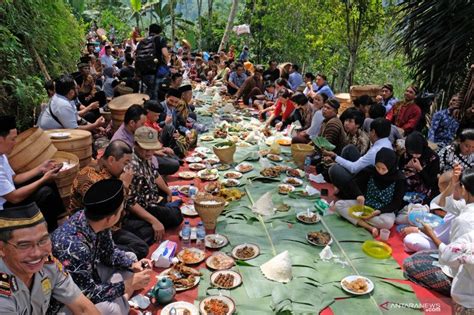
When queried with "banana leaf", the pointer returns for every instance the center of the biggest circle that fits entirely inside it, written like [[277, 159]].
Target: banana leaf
[[323, 143]]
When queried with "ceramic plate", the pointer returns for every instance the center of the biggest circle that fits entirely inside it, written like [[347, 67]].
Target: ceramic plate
[[274, 158], [178, 287], [237, 279], [223, 167], [215, 241], [206, 138], [255, 248], [233, 175], [370, 284], [180, 308], [318, 244], [187, 175], [219, 261], [284, 189], [244, 167], [196, 166], [60, 135], [203, 150], [193, 159], [205, 175], [301, 215], [230, 182], [295, 173], [293, 181], [227, 300], [198, 256], [189, 210]]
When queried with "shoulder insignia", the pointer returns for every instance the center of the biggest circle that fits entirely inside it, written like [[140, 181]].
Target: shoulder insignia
[[59, 266], [13, 284], [5, 286], [46, 286]]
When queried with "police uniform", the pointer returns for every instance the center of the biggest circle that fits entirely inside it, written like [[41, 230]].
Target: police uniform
[[50, 281]]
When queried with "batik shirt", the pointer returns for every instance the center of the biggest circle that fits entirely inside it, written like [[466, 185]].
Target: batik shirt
[[360, 140], [80, 250], [443, 128], [143, 189], [449, 155]]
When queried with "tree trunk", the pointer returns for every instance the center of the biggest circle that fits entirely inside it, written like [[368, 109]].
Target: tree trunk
[[210, 4], [230, 23], [199, 5], [173, 21]]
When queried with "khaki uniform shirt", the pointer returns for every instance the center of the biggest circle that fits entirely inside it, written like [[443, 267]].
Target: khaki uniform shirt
[[51, 281]]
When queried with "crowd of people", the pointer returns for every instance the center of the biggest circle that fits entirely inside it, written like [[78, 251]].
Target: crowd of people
[[121, 202]]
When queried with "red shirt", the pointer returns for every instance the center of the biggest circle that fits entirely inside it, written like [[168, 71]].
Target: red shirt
[[153, 124], [405, 116], [285, 114]]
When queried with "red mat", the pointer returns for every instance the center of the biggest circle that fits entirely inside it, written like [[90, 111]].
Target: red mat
[[432, 302]]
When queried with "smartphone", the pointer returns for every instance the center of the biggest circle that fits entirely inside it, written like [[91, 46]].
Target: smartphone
[[324, 192]]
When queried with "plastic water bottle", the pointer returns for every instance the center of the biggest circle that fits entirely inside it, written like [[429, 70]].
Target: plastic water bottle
[[192, 193], [200, 236], [186, 235], [307, 164]]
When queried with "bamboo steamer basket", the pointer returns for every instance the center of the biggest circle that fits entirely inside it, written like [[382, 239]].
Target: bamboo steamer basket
[[345, 100], [79, 143], [65, 178], [32, 148], [209, 212], [119, 105], [370, 90], [299, 151], [225, 155]]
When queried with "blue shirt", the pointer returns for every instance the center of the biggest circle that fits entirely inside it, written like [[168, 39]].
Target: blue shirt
[[326, 90], [108, 61], [388, 104], [295, 79], [236, 79], [63, 109], [443, 128], [367, 159]]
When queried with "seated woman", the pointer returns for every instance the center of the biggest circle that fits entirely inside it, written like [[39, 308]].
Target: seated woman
[[303, 112], [406, 114], [423, 267], [461, 151], [267, 99], [420, 165], [284, 107], [305, 135], [381, 187]]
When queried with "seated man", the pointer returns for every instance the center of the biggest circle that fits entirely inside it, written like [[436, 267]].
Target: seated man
[[445, 123], [107, 275], [353, 120], [30, 276], [112, 164], [149, 200], [236, 79], [36, 185], [332, 128], [378, 111], [251, 87], [345, 169]]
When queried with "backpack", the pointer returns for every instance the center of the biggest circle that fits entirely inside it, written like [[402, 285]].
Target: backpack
[[145, 56]]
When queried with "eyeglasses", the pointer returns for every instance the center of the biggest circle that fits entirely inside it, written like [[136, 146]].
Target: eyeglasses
[[27, 246]]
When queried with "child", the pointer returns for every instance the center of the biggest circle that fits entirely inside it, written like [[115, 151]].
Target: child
[[381, 187]]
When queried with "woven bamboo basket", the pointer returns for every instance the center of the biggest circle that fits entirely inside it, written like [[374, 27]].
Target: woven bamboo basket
[[79, 143], [225, 155], [119, 105], [345, 101], [65, 178], [32, 148], [299, 151], [370, 90], [209, 213]]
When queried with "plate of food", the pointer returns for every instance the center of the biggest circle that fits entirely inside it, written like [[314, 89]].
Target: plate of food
[[285, 141], [181, 308], [189, 210], [184, 189], [217, 305], [202, 150], [211, 174], [294, 172], [284, 189], [293, 181], [360, 211], [196, 166], [226, 279], [191, 256], [219, 261], [60, 135], [215, 241], [233, 175], [213, 161], [223, 167], [320, 238], [183, 277], [199, 154], [270, 172], [187, 175], [357, 285], [274, 157], [213, 188], [244, 167], [193, 159], [245, 251], [231, 182], [312, 218], [206, 138]]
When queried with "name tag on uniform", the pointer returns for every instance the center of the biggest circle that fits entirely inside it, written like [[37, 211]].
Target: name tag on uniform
[[46, 286]]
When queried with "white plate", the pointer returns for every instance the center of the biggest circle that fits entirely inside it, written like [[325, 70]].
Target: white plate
[[229, 261], [189, 211], [317, 244], [196, 166], [230, 303], [193, 233], [203, 150], [300, 172], [297, 182], [197, 251], [255, 248], [240, 166], [164, 273], [274, 157], [237, 175], [206, 138], [212, 161], [230, 182], [60, 135], [237, 278], [318, 218], [355, 277], [220, 239], [180, 307], [204, 176], [290, 187], [193, 159], [187, 175]]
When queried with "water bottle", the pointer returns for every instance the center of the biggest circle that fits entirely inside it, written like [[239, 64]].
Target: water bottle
[[186, 235], [200, 236], [307, 164], [192, 193]]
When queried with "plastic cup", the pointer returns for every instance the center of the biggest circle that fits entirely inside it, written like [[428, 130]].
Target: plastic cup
[[384, 235]]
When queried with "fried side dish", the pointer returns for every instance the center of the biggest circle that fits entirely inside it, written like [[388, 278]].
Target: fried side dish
[[358, 285], [321, 237], [190, 257], [308, 219], [224, 280], [183, 276], [216, 307], [245, 252]]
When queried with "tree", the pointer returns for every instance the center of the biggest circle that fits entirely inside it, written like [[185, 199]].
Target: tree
[[230, 23], [199, 8], [438, 40]]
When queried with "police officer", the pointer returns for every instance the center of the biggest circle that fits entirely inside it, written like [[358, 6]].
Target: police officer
[[29, 275]]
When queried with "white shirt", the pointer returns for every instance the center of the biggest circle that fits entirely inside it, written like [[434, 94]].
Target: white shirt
[[316, 123], [64, 111], [368, 159], [6, 179], [306, 90], [453, 208], [460, 255]]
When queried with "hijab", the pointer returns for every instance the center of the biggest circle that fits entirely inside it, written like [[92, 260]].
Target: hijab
[[389, 158]]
